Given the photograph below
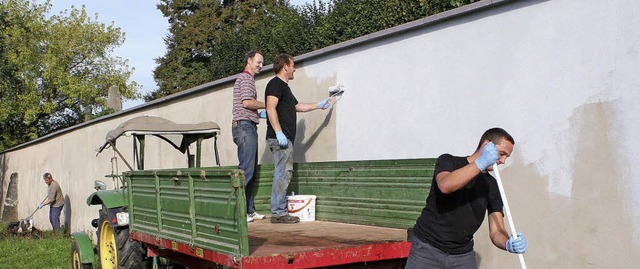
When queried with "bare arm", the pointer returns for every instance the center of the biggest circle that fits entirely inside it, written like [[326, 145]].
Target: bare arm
[[497, 231], [272, 115], [306, 107], [449, 182], [253, 104]]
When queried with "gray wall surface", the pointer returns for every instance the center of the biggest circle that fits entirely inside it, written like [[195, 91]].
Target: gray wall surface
[[561, 76]]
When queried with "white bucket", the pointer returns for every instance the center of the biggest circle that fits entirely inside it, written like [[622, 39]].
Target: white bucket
[[302, 206]]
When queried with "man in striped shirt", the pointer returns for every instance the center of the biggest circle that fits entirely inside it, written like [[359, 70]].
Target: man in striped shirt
[[244, 125]]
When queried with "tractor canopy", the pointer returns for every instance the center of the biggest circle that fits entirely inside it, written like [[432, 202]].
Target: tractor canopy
[[180, 136]]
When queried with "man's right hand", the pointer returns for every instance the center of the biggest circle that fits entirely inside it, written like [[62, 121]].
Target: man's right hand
[[282, 139], [488, 156], [39, 206]]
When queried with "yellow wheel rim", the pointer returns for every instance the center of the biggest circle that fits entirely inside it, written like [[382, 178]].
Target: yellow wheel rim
[[76, 260], [108, 251]]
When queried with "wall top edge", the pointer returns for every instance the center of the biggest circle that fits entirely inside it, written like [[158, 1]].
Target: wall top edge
[[387, 33]]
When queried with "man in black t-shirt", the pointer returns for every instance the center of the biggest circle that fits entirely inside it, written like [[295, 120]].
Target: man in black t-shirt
[[281, 132], [460, 193]]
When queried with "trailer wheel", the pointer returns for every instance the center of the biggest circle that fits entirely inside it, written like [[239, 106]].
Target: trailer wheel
[[116, 251], [75, 257]]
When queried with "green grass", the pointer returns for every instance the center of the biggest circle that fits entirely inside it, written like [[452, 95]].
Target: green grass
[[49, 251], [45, 250]]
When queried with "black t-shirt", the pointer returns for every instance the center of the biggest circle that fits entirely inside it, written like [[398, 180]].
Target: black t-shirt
[[448, 221], [286, 108]]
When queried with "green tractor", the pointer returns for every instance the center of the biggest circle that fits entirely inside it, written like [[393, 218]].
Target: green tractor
[[114, 248]]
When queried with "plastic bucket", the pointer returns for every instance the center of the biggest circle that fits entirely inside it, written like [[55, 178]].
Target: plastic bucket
[[302, 206]]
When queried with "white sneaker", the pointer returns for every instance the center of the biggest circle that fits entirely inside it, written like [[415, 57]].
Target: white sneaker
[[249, 219], [256, 216]]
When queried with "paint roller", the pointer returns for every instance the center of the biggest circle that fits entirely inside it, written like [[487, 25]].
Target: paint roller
[[335, 93]]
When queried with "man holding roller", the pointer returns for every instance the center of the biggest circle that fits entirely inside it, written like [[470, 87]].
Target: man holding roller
[[282, 106], [463, 191]]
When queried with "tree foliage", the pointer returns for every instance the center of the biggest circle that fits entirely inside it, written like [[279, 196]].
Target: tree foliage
[[54, 72], [208, 38]]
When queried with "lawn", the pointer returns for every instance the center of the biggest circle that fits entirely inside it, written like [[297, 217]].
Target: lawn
[[49, 251], [45, 250]]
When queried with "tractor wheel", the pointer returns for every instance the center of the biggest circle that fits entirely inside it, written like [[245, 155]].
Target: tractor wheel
[[115, 250], [75, 257]]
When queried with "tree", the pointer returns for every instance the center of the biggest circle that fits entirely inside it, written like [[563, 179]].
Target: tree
[[55, 72], [208, 38], [349, 19]]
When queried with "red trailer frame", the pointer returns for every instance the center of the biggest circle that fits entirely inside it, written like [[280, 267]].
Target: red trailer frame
[[375, 253]]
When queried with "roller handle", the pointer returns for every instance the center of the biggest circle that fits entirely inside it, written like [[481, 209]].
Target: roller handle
[[507, 211]]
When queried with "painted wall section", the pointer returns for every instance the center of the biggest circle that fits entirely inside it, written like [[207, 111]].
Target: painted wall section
[[560, 76]]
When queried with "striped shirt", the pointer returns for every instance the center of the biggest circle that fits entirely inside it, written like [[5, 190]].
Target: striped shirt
[[244, 89]]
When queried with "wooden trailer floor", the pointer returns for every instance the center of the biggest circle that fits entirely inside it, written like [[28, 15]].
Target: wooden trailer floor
[[266, 238]]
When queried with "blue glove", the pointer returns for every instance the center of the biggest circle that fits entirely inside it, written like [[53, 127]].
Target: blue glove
[[518, 246], [324, 104], [488, 156], [262, 114], [282, 139], [39, 206]]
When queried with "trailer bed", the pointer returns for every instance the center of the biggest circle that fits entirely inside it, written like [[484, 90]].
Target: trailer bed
[[197, 216], [316, 244], [266, 239]]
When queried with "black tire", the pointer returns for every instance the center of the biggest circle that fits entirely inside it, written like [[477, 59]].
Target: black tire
[[130, 253], [75, 257]]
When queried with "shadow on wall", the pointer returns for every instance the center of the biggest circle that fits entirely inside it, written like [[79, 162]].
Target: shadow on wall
[[301, 146], [67, 215]]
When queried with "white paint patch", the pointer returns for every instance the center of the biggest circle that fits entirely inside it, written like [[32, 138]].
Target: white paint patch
[[629, 157], [628, 84]]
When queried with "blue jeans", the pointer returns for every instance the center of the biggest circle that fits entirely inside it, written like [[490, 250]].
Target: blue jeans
[[54, 217], [425, 256], [282, 173], [245, 135]]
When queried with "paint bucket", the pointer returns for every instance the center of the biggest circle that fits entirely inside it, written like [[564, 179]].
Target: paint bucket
[[302, 206]]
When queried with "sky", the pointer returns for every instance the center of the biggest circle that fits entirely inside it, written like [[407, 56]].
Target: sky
[[144, 28]]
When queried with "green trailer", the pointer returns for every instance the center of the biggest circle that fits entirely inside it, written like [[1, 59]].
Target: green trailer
[[195, 217]]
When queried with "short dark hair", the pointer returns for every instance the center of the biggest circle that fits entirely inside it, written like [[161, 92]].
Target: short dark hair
[[496, 135], [47, 175], [250, 55], [280, 61]]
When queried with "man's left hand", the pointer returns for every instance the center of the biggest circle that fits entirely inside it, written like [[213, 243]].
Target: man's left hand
[[324, 104], [517, 245]]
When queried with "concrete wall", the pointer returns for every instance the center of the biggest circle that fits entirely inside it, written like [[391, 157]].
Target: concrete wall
[[560, 76]]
